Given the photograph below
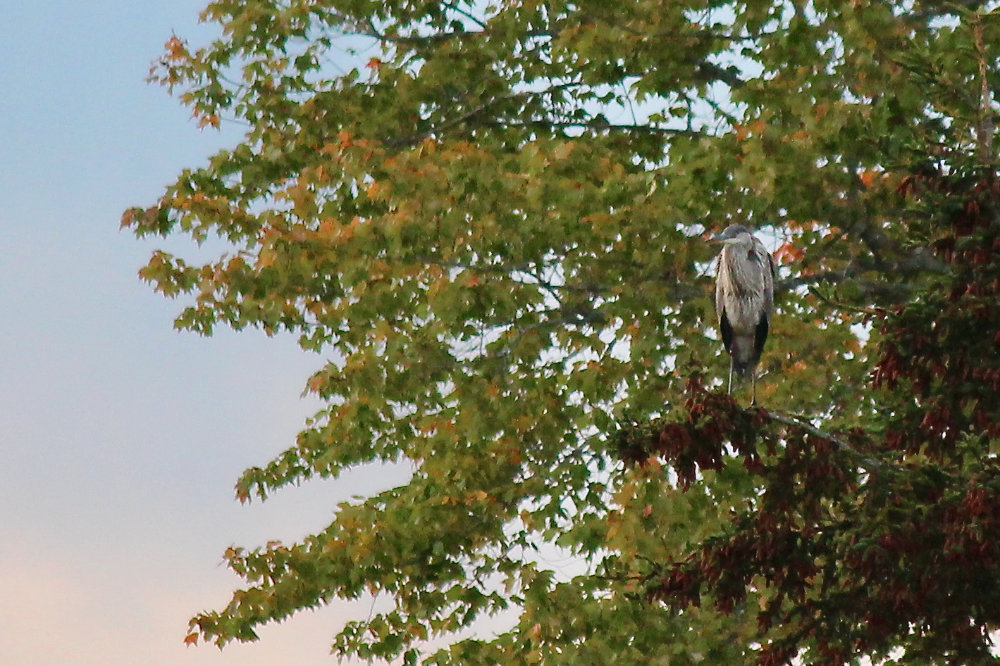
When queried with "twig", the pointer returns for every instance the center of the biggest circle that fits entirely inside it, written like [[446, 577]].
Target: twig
[[413, 139], [876, 311], [469, 15]]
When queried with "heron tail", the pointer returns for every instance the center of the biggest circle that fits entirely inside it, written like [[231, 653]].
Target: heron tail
[[743, 371]]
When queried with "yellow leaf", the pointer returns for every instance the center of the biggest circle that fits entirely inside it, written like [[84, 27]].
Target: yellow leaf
[[265, 258], [563, 150]]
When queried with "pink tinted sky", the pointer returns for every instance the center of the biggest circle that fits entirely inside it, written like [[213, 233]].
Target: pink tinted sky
[[120, 439]]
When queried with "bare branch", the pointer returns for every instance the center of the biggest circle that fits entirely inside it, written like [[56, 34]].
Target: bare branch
[[598, 125], [865, 462], [844, 306], [887, 292]]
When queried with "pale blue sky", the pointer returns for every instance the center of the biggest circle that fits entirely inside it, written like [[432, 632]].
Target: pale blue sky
[[120, 439]]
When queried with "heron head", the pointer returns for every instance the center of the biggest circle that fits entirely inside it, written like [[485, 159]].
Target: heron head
[[731, 235]]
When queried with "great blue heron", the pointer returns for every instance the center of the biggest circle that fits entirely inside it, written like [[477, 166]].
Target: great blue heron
[[744, 298]]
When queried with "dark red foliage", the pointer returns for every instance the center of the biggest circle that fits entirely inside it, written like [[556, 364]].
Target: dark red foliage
[[942, 347], [712, 421], [866, 541]]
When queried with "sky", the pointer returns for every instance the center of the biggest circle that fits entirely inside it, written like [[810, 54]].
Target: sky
[[121, 438]]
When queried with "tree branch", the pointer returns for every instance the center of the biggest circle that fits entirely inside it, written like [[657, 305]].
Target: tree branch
[[458, 10], [865, 462], [598, 125], [412, 139], [984, 126], [892, 292]]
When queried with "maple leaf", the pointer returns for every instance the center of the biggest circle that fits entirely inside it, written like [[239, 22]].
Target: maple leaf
[[495, 242]]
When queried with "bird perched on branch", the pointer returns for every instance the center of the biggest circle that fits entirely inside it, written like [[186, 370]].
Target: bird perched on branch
[[744, 298]]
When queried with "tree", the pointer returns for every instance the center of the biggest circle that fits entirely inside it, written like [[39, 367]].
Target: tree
[[489, 216]]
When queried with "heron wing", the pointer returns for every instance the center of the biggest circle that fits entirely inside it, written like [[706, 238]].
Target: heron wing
[[759, 334], [727, 331], [719, 302], [770, 275]]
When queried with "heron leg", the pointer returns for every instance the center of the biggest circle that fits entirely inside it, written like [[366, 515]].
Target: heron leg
[[729, 389], [753, 388]]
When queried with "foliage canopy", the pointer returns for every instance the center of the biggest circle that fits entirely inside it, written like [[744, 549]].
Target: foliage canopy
[[488, 216]]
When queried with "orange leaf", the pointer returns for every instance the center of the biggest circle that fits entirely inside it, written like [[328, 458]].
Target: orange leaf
[[266, 257], [790, 253], [868, 176], [176, 50], [191, 639], [316, 383]]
